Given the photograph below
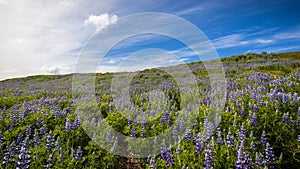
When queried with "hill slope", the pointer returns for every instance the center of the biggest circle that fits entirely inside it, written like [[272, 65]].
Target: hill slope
[[41, 124]]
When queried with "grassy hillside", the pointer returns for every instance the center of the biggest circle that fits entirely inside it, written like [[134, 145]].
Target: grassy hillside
[[43, 126]]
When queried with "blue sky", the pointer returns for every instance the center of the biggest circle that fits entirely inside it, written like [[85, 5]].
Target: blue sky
[[46, 37]]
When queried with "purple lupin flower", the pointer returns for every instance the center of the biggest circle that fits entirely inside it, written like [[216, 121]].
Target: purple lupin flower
[[78, 154], [148, 158], [49, 141], [20, 138], [5, 158], [298, 138], [199, 148], [162, 120], [263, 139], [208, 158], [243, 133], [43, 130], [47, 166], [258, 160], [285, 117], [7, 155], [143, 133], [196, 126], [3, 112], [12, 152], [21, 116], [137, 122], [23, 157], [247, 161], [255, 108], [219, 136], [28, 131], [133, 133], [237, 104], [152, 162], [11, 125], [188, 135], [209, 131], [169, 158], [68, 124], [163, 150], [253, 119], [205, 122], [152, 113], [27, 159], [129, 122], [229, 139], [21, 162], [270, 157], [242, 112], [168, 117], [238, 163], [243, 159], [76, 124], [250, 106]]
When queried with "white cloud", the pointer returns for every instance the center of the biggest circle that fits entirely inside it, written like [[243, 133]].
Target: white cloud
[[35, 33], [101, 21], [55, 69]]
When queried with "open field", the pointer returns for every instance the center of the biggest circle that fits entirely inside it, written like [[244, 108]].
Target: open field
[[259, 125]]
